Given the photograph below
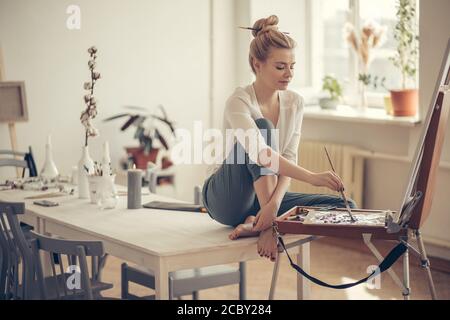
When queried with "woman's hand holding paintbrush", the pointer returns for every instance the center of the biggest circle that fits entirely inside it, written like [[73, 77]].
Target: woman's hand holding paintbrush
[[341, 190], [327, 179]]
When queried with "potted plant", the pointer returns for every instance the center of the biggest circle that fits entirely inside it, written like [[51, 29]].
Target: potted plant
[[149, 132], [405, 100], [334, 89]]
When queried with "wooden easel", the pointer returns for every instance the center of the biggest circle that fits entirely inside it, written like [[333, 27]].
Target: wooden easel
[[11, 125], [416, 206]]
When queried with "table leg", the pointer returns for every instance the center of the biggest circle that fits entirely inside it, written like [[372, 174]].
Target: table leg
[[303, 284], [45, 257], [162, 282]]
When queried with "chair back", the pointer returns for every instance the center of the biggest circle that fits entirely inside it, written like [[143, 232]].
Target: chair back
[[72, 279], [22, 273], [17, 266], [26, 163]]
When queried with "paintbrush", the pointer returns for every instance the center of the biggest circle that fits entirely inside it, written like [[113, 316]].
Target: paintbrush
[[349, 210]]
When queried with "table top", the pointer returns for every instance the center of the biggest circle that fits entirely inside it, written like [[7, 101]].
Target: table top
[[159, 232]]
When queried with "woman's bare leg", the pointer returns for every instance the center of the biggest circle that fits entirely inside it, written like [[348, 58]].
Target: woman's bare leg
[[267, 244], [264, 188], [244, 230]]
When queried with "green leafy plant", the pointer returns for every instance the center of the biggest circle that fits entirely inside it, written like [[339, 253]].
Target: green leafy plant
[[376, 81], [405, 33], [148, 126], [333, 87]]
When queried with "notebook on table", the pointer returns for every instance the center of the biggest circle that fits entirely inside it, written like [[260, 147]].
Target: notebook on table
[[175, 206]]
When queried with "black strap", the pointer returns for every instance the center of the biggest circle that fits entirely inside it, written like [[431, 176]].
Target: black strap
[[390, 259]]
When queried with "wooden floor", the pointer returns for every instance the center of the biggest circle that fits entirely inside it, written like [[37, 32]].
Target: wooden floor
[[329, 262]]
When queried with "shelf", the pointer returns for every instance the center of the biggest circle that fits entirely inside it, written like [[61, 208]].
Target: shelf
[[350, 114]]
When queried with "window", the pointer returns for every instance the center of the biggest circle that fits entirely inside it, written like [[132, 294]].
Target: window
[[318, 27], [382, 11], [331, 54]]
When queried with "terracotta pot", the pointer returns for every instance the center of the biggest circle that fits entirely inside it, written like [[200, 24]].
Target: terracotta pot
[[405, 102], [140, 158]]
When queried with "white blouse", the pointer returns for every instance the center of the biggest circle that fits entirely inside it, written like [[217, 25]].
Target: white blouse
[[241, 111]]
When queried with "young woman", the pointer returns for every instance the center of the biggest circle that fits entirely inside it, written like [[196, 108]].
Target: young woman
[[249, 194]]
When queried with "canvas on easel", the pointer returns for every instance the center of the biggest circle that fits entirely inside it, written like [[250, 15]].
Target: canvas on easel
[[387, 224], [13, 105]]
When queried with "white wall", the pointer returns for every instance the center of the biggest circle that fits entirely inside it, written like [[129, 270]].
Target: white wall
[[224, 70], [292, 19], [150, 52]]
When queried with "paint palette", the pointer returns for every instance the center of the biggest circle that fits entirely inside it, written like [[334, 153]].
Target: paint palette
[[343, 218]]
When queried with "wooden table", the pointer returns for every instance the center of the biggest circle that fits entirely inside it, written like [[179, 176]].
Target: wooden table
[[160, 240]]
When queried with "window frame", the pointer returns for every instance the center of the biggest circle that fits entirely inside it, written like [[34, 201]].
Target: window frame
[[314, 40]]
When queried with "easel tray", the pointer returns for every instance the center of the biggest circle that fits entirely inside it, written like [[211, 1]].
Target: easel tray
[[336, 223]]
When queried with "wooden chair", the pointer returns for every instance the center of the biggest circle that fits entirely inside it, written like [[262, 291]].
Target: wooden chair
[[11, 257], [73, 281], [22, 275], [26, 163], [185, 282]]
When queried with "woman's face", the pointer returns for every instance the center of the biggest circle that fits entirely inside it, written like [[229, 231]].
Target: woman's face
[[278, 70]]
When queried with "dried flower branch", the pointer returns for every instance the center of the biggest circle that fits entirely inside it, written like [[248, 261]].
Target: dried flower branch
[[91, 103], [372, 35]]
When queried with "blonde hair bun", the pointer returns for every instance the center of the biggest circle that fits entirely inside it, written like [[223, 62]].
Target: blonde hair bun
[[267, 36], [265, 25]]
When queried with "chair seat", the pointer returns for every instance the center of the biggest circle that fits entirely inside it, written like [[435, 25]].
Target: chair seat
[[184, 282], [26, 227], [77, 294]]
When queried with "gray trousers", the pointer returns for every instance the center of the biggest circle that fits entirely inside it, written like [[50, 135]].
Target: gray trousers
[[229, 194]]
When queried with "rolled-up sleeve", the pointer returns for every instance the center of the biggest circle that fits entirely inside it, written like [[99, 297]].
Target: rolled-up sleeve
[[291, 150], [244, 128]]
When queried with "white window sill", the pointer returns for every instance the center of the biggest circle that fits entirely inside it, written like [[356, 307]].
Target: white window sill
[[351, 114]]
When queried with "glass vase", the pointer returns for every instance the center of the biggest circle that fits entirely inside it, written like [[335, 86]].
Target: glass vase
[[363, 103]]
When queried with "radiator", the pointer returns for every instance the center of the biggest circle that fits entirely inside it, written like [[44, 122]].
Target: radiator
[[348, 165]]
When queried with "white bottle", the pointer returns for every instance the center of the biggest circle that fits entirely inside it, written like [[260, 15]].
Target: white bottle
[[152, 176], [85, 167], [107, 190], [49, 170]]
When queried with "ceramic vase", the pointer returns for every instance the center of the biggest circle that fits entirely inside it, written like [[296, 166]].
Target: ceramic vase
[[85, 168], [49, 170]]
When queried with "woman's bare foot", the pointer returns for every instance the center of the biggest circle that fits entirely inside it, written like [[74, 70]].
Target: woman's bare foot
[[244, 230], [267, 245]]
